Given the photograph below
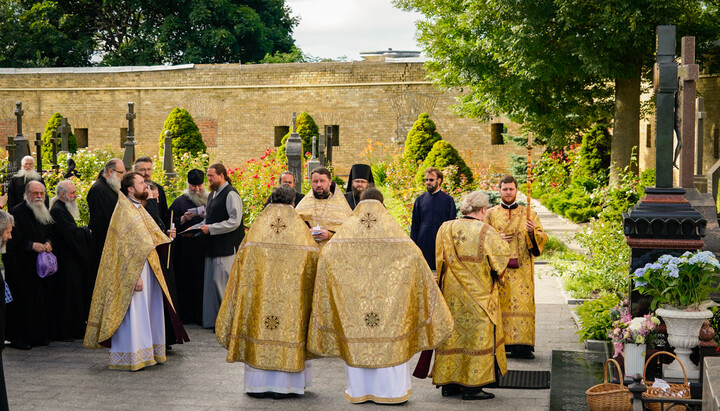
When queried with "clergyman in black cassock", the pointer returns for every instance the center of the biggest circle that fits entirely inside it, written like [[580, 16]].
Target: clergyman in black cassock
[[71, 247], [27, 322], [6, 226], [354, 189], [16, 185], [189, 252]]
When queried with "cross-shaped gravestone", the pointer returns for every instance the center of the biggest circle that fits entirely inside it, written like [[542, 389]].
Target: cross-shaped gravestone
[[168, 166], [666, 84], [313, 163], [699, 135], [22, 146], [38, 147], [293, 151], [129, 156], [64, 131], [688, 73], [10, 147], [54, 141]]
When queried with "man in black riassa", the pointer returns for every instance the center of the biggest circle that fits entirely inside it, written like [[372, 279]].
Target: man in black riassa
[[143, 166], [360, 179], [430, 211], [224, 227]]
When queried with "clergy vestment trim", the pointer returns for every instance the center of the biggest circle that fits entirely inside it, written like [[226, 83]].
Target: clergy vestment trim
[[364, 398]]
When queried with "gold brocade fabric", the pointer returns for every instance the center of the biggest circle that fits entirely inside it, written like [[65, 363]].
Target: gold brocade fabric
[[466, 251], [131, 240], [263, 318], [376, 302], [328, 214], [517, 295]]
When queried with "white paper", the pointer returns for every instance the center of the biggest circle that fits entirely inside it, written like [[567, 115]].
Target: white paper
[[661, 384]]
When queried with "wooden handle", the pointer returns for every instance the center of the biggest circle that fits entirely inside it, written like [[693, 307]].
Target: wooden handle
[[605, 369], [670, 354], [170, 244], [529, 175]]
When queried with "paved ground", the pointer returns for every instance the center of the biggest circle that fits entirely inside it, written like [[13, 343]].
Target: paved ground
[[196, 376]]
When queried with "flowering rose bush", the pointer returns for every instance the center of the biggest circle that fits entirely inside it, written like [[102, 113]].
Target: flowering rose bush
[[255, 180], [629, 330], [684, 281]]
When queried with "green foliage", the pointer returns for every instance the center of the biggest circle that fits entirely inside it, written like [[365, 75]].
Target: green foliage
[[186, 137], [307, 129], [295, 55], [444, 156], [576, 202], [518, 168], [52, 125], [595, 152], [596, 318], [421, 138], [603, 266], [553, 246]]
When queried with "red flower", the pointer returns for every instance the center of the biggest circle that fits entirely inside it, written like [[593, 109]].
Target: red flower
[[256, 176]]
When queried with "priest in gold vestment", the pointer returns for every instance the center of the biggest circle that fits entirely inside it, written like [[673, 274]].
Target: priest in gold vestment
[[470, 259], [323, 210], [126, 313], [263, 318], [526, 239], [375, 305]]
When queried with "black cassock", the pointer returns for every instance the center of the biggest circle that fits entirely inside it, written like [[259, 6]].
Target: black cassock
[[189, 258], [71, 246], [430, 211], [101, 201], [16, 192], [27, 320]]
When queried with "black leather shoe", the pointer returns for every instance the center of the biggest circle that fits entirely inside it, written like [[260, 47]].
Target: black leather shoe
[[19, 345], [256, 394], [476, 394], [450, 390], [279, 396]]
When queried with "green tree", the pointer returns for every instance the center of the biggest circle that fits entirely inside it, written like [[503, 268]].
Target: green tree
[[307, 129], [185, 133], [442, 155], [595, 153], [52, 125], [554, 65], [420, 138]]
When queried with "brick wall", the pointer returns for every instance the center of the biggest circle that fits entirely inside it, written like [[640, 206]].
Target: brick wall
[[238, 106]]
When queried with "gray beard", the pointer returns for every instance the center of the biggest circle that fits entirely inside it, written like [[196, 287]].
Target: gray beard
[[2, 247], [197, 199], [42, 214], [114, 182], [73, 209], [29, 175]]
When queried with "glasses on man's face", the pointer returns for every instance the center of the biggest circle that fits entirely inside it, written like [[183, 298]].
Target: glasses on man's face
[[429, 179]]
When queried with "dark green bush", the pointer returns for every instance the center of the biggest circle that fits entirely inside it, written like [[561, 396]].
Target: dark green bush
[[596, 318], [421, 138], [518, 168], [441, 155], [185, 133], [307, 128], [52, 124], [595, 153]]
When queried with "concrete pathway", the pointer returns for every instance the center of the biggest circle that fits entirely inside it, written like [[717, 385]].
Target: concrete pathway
[[64, 376]]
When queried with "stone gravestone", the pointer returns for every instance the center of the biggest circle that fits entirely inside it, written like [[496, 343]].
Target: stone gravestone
[[129, 155], [168, 166], [54, 141], [293, 152], [38, 148], [64, 131], [700, 178], [314, 162], [22, 146], [328, 144]]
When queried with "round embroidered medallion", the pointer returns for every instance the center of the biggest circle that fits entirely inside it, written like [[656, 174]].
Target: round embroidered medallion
[[271, 322], [372, 319]]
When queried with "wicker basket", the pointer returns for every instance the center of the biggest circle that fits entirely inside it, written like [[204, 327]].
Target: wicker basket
[[675, 391], [608, 396]]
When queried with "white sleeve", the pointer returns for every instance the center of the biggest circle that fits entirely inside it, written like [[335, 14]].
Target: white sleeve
[[233, 203]]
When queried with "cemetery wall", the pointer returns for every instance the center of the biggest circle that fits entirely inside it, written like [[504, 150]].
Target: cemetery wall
[[237, 107]]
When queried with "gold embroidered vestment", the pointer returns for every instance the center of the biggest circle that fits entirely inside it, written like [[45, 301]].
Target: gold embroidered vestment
[[131, 240], [263, 318], [466, 251], [375, 302], [517, 295]]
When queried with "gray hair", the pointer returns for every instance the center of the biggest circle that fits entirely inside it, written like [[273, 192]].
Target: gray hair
[[6, 220], [475, 201], [30, 183], [283, 195], [110, 165], [62, 187], [28, 158]]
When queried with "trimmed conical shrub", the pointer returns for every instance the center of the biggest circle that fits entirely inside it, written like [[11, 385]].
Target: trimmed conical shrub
[[420, 138], [186, 134], [441, 155]]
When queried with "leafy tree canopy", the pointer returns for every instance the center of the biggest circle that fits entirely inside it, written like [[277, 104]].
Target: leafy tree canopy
[[138, 32]]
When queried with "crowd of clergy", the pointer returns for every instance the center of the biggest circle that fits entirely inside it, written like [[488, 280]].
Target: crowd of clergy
[[324, 274]]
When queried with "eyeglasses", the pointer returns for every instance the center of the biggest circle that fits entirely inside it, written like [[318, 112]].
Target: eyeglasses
[[430, 179]]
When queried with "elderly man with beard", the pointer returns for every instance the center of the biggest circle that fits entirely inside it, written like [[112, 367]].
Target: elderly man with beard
[[131, 296], [6, 226], [189, 249], [27, 323], [323, 209], [72, 244], [143, 166], [360, 179], [101, 199], [16, 186], [224, 227]]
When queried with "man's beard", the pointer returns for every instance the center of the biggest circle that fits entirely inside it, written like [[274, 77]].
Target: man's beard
[[199, 199], [431, 190], [28, 174], [142, 196], [322, 195], [114, 182], [357, 192], [215, 186], [42, 214], [73, 209], [512, 200]]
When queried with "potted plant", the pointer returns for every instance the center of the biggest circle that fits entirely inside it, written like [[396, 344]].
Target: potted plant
[[680, 286], [630, 337]]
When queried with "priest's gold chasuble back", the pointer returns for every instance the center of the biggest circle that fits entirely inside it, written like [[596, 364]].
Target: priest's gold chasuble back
[[264, 314], [131, 240], [376, 302]]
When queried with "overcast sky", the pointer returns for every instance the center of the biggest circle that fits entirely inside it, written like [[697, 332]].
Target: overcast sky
[[335, 28]]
